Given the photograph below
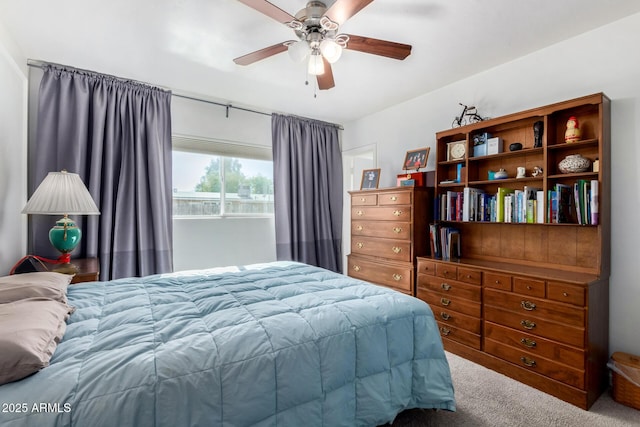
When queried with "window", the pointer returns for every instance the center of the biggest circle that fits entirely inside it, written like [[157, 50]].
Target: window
[[208, 184]]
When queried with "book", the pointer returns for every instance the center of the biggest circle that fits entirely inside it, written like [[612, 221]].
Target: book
[[540, 207], [470, 204], [593, 203], [564, 203], [502, 191]]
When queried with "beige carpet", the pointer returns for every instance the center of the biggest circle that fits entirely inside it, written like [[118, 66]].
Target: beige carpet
[[487, 398]]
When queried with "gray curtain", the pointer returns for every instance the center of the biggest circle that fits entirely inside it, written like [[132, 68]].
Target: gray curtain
[[116, 134], [307, 165]]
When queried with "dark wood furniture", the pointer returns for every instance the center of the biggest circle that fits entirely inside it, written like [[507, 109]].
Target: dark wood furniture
[[388, 229], [529, 300], [88, 270]]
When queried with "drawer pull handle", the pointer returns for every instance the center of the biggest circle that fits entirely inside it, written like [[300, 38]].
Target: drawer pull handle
[[445, 316], [497, 282], [528, 362], [356, 267], [360, 245], [359, 228], [445, 286], [362, 199], [397, 213], [397, 277], [396, 249], [527, 324], [445, 301], [528, 342], [393, 198], [445, 331], [397, 230], [564, 294], [528, 305], [359, 213], [528, 287]]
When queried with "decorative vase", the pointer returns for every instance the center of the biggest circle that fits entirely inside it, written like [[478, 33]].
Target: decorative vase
[[574, 163], [501, 174]]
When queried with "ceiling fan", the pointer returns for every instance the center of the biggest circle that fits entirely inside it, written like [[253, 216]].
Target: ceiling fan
[[319, 42]]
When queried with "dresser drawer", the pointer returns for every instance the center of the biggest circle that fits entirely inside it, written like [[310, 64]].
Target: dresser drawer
[[398, 250], [378, 213], [531, 287], [563, 292], [449, 288], [460, 335], [400, 198], [364, 200], [570, 335], [397, 276], [497, 281], [535, 345], [447, 271], [549, 368], [439, 301], [469, 275], [385, 229], [535, 307], [459, 320], [426, 267]]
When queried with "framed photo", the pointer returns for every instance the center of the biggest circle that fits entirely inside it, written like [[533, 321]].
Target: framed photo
[[416, 159], [370, 179]]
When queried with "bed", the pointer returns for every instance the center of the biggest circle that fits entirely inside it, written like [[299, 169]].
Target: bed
[[281, 343]]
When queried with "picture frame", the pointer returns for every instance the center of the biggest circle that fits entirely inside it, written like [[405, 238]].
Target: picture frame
[[370, 179], [416, 159]]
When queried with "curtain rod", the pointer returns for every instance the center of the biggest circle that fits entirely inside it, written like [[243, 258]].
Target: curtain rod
[[41, 64]]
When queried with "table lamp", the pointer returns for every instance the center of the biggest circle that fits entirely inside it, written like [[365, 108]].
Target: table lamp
[[62, 193]]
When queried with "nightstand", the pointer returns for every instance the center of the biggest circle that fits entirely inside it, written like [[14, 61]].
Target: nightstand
[[88, 270]]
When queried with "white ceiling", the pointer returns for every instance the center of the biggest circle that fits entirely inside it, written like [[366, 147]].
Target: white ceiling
[[189, 45]]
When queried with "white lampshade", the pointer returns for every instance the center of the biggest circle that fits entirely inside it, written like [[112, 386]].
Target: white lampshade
[[299, 50], [330, 50], [316, 64], [61, 193]]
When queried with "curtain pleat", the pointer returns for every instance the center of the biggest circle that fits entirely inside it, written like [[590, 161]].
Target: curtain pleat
[[307, 164], [116, 135]]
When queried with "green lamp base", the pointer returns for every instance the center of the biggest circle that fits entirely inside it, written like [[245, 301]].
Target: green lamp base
[[65, 236]]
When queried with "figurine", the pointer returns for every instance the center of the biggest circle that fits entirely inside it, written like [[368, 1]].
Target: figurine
[[537, 170], [538, 128], [572, 133]]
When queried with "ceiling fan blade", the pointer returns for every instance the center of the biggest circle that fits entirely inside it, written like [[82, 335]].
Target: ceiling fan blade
[[252, 57], [271, 10], [342, 10], [379, 47], [325, 80]]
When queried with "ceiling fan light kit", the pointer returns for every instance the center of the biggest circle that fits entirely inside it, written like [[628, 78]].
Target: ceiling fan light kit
[[319, 42]]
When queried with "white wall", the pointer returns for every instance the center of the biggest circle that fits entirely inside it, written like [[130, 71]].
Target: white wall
[[603, 60], [13, 153], [215, 242]]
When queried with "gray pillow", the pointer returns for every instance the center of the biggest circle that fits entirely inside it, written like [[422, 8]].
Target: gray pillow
[[47, 284], [30, 330]]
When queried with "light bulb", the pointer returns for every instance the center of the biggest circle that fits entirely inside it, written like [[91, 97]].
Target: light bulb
[[298, 51], [316, 65], [330, 50]]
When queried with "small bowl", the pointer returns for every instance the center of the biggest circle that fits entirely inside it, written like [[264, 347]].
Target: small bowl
[[515, 146]]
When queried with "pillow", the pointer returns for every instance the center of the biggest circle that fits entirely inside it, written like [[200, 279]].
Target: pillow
[[47, 284], [30, 330]]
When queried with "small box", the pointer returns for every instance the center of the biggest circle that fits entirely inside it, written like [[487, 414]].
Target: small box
[[626, 379], [494, 145], [480, 150]]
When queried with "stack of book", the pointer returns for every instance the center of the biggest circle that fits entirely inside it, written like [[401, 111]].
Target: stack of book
[[445, 242]]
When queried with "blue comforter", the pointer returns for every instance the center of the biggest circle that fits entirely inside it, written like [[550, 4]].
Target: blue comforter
[[281, 344]]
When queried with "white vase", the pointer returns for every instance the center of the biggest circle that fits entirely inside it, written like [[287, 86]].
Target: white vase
[[574, 163]]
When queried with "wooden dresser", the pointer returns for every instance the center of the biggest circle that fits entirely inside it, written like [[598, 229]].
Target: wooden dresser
[[388, 231], [546, 328]]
